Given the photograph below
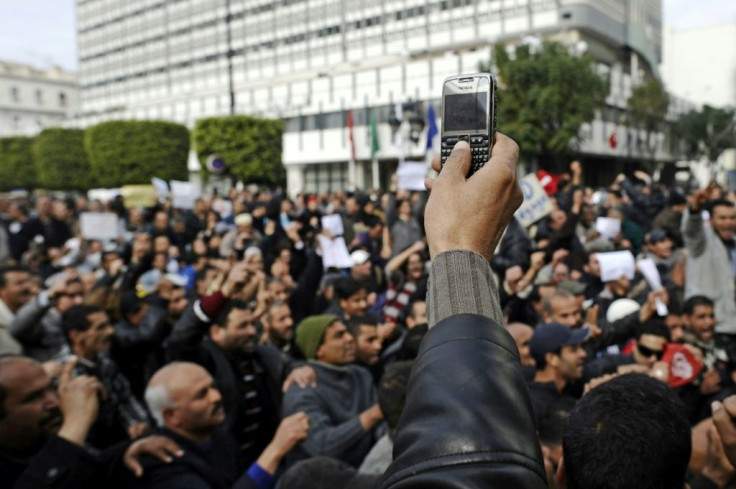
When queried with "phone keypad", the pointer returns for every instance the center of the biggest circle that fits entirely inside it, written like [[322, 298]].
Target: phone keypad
[[480, 149]]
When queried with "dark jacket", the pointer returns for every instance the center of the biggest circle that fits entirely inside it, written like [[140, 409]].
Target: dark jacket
[[214, 466], [514, 249], [190, 342], [468, 420], [60, 464]]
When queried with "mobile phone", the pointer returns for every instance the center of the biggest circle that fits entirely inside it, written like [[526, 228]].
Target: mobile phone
[[469, 114]]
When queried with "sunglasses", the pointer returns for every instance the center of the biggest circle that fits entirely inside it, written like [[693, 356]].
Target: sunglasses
[[648, 352]]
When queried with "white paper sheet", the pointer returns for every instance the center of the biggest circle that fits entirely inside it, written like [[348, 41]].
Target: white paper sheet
[[333, 223], [183, 194], [411, 175], [99, 225], [161, 187], [608, 227], [616, 264], [334, 253], [648, 268]]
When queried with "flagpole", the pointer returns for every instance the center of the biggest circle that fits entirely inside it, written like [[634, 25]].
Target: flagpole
[[351, 161]]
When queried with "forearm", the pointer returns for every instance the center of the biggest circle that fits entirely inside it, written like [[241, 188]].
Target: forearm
[[28, 320], [396, 262], [461, 282], [333, 441]]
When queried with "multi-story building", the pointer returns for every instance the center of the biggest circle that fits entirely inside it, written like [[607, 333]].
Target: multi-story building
[[32, 99], [310, 62]]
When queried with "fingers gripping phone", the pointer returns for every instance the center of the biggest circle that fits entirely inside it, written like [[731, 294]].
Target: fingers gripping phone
[[469, 114]]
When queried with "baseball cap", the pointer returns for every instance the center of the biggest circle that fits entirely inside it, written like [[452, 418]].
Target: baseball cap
[[359, 257], [572, 286], [553, 336], [656, 235]]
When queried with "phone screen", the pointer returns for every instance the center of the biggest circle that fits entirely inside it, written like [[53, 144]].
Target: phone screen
[[465, 111]]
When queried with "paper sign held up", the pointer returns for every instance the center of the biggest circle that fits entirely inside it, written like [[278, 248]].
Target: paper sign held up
[[537, 203], [334, 252], [648, 268], [411, 175], [333, 223], [608, 227], [615, 265], [183, 194], [138, 195], [99, 225], [161, 187]]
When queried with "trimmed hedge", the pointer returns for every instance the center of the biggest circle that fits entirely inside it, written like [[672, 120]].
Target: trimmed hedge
[[250, 146], [61, 161], [132, 152], [16, 163]]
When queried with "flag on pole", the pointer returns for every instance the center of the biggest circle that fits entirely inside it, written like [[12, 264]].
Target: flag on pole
[[432, 127], [351, 138], [374, 135]]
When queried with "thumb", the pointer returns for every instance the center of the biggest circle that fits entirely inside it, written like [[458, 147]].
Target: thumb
[[66, 373], [458, 163]]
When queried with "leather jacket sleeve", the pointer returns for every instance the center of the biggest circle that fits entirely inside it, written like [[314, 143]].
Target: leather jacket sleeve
[[468, 420]]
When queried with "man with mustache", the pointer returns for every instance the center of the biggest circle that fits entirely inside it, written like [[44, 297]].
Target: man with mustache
[[89, 335], [188, 407], [43, 433], [218, 332], [343, 409]]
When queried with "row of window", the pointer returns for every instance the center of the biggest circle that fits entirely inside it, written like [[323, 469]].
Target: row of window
[[339, 119], [316, 33], [16, 96]]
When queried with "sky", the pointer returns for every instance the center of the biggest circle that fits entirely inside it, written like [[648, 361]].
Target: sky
[[42, 32]]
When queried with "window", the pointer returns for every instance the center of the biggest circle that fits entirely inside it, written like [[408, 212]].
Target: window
[[62, 99], [15, 94], [39, 97]]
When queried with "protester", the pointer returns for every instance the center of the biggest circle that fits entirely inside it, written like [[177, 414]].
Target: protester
[[225, 283], [183, 399], [345, 418]]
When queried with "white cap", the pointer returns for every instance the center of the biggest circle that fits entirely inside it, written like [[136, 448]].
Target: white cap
[[359, 257], [176, 279], [621, 308], [243, 219]]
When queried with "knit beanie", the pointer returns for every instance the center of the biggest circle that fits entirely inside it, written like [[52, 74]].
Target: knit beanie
[[310, 332]]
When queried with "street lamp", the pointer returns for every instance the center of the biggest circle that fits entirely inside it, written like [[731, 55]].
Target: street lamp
[[411, 113]]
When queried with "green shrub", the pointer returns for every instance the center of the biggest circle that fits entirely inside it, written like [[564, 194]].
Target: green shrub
[[132, 152], [250, 146], [61, 161], [16, 163]]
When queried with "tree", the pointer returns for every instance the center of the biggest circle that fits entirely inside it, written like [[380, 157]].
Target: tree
[[250, 146], [705, 133], [648, 106], [61, 161], [545, 96], [16, 163], [129, 152]]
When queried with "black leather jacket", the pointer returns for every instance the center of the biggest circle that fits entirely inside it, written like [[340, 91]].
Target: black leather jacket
[[468, 420]]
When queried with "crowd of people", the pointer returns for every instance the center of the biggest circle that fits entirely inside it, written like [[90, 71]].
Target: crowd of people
[[212, 348]]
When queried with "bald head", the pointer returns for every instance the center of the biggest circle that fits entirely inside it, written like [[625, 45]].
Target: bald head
[[183, 397], [522, 334], [167, 386]]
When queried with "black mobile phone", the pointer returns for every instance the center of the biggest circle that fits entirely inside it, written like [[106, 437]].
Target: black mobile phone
[[469, 114]]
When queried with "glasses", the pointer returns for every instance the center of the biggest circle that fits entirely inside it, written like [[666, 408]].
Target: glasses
[[648, 352]]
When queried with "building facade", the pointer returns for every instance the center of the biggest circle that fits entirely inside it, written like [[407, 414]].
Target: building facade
[[32, 99], [311, 62]]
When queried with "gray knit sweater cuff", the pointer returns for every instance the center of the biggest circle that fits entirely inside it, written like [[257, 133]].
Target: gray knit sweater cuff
[[461, 282]]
